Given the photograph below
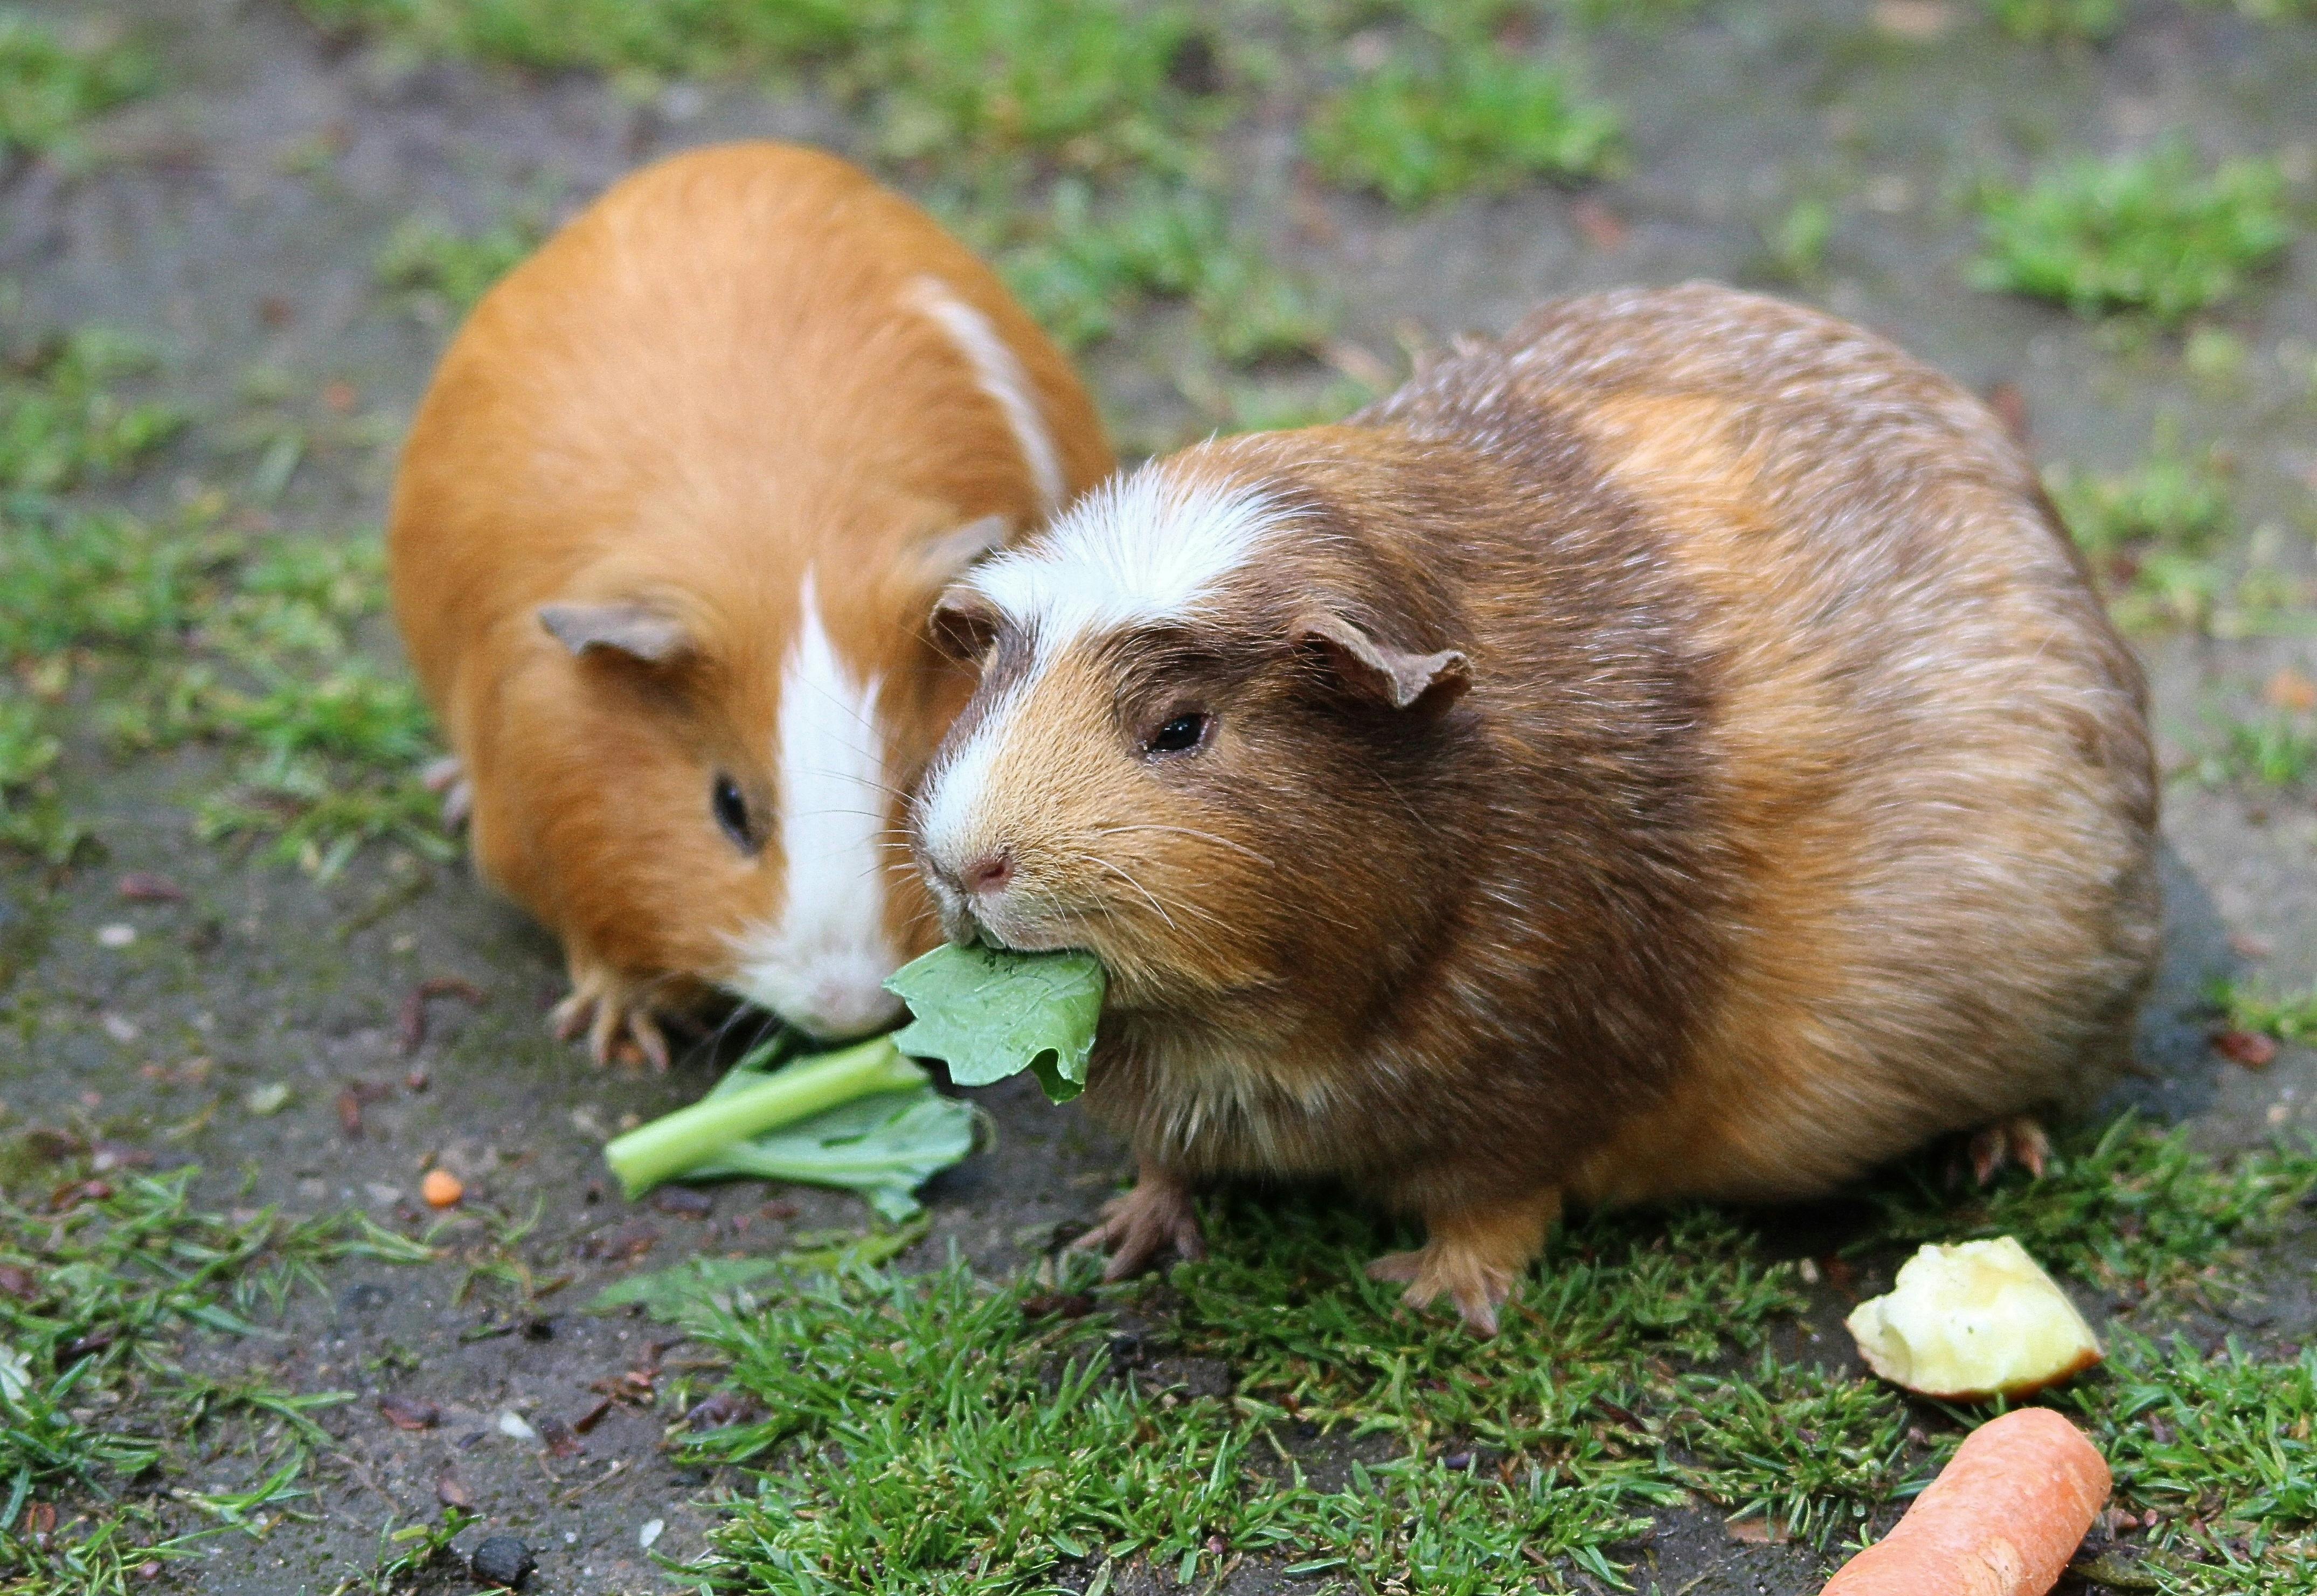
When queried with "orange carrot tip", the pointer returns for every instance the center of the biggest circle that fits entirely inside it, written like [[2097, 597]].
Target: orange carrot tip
[[2003, 1519]]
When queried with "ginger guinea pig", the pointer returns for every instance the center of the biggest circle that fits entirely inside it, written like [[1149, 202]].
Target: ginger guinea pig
[[1671, 753], [665, 535]]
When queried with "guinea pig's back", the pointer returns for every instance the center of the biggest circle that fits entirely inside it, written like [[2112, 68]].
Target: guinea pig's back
[[1930, 759]]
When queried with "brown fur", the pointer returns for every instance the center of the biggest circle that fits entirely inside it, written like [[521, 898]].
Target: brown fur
[[708, 382], [1800, 808]]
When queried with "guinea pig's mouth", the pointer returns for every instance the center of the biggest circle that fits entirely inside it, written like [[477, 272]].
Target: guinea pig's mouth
[[998, 923]]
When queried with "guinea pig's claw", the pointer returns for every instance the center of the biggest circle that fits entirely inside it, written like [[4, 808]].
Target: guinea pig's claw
[[567, 1018], [616, 1031], [447, 779], [1156, 1217], [648, 1038], [2019, 1139]]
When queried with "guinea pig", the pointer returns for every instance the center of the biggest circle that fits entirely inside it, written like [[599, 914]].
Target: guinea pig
[[1672, 753], [663, 541]]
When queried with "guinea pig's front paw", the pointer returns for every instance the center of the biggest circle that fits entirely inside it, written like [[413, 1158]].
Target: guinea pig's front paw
[[1433, 1271], [1156, 1216], [616, 1013], [1472, 1258]]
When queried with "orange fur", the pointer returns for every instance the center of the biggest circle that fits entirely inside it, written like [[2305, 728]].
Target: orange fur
[[715, 378]]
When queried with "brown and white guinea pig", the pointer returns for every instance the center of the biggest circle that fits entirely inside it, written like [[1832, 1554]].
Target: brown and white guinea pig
[[1671, 753], [665, 535]]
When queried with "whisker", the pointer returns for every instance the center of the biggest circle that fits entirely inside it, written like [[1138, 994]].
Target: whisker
[[1191, 831], [1138, 886]]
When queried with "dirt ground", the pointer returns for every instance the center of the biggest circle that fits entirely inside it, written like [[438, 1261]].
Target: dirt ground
[[235, 222]]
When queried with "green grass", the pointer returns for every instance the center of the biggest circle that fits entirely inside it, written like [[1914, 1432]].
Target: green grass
[[1464, 118], [2152, 533], [938, 1432], [111, 1275], [50, 85], [1085, 84], [670, 38], [2134, 1208], [2220, 1444], [1794, 246], [1082, 270], [446, 271], [2154, 232], [2245, 1006], [1808, 1452], [64, 421], [2276, 750], [155, 631], [2090, 20], [1090, 86]]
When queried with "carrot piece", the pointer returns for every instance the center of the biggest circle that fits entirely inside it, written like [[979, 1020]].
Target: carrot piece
[[440, 1189], [2002, 1520]]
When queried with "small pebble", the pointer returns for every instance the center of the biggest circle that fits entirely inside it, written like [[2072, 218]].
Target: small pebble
[[115, 936], [503, 1561], [649, 1533], [512, 1425], [442, 1188], [269, 1099]]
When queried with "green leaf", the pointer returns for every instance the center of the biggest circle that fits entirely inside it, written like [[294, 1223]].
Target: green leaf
[[883, 1147], [989, 1013]]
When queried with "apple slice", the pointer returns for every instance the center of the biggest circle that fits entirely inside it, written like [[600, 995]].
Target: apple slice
[[1973, 1320]]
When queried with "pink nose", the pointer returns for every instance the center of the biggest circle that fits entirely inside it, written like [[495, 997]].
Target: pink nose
[[989, 874]]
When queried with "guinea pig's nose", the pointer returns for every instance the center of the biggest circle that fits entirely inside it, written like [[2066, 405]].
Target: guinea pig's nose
[[988, 874]]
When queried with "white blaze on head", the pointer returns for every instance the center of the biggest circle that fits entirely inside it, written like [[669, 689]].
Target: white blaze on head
[[998, 373], [1138, 550], [822, 964]]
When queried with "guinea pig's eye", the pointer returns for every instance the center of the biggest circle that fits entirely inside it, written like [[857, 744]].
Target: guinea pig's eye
[[731, 812], [1180, 735]]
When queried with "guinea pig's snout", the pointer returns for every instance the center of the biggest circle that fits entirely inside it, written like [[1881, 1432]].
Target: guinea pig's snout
[[982, 873]]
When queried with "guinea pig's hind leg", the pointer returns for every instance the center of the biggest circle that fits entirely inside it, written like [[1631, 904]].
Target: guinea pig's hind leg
[[615, 1013], [1156, 1216], [1473, 1256]]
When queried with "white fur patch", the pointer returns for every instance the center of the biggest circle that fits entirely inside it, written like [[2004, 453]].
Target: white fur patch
[[950, 803], [822, 965], [1000, 374], [1136, 551]]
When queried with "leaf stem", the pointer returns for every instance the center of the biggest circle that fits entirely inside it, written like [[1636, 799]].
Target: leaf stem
[[675, 1142]]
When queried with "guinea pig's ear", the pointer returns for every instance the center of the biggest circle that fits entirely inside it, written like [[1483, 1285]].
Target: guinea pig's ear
[[1378, 671], [964, 623], [627, 628], [946, 556]]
